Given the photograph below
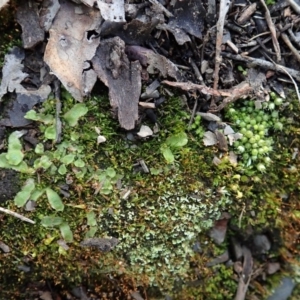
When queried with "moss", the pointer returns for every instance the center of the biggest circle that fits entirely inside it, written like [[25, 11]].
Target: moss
[[10, 30], [165, 212]]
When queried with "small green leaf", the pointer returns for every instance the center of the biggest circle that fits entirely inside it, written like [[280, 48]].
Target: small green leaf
[[23, 196], [4, 162], [74, 136], [79, 163], [91, 219], [154, 171], [62, 170], [42, 162], [36, 194], [110, 172], [177, 140], [47, 119], [62, 251], [23, 168], [31, 115], [14, 157], [50, 132], [14, 154], [91, 233], [168, 155], [76, 112], [66, 232], [39, 148], [54, 200], [51, 221], [49, 240], [67, 159]]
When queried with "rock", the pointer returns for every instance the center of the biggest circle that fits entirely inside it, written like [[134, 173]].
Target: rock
[[219, 260], [273, 267], [237, 251], [262, 243], [218, 232], [284, 290]]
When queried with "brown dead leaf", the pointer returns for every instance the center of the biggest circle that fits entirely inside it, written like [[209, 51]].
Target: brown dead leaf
[[69, 47]]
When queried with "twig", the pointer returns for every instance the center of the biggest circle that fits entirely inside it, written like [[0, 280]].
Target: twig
[[189, 86], [233, 94], [162, 8], [273, 31], [193, 114], [294, 5], [224, 6], [58, 111], [263, 64], [12, 213], [242, 288], [241, 216], [290, 76], [247, 13], [291, 46], [259, 35], [238, 92], [196, 70]]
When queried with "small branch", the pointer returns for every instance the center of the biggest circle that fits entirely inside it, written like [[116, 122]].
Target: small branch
[[189, 86], [193, 114], [224, 6], [291, 46], [294, 5], [239, 91], [273, 31], [58, 111], [256, 62], [242, 288], [233, 94], [162, 8], [196, 71], [12, 213]]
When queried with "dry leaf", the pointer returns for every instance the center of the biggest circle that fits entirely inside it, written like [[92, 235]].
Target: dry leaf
[[69, 47], [145, 131], [209, 139]]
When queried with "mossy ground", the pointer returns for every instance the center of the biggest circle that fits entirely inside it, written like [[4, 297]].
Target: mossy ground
[[167, 210]]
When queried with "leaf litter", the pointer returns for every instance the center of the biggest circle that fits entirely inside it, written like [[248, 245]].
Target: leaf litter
[[124, 45]]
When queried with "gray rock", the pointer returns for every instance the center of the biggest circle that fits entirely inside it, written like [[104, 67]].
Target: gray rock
[[284, 290], [262, 243]]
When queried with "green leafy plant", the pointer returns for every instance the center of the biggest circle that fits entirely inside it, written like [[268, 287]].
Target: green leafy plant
[[172, 144]]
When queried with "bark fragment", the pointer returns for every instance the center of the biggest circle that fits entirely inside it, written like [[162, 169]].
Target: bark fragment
[[122, 77]]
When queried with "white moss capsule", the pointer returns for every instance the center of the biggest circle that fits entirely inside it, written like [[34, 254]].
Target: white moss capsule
[[261, 167]]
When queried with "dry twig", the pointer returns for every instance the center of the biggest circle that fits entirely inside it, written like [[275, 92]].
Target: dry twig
[[256, 62], [12, 213], [273, 31], [224, 6], [291, 46]]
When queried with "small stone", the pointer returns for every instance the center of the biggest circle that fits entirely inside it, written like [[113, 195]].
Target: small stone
[[262, 243], [273, 267]]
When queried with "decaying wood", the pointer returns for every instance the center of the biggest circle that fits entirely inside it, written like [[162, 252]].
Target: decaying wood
[[122, 77]]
